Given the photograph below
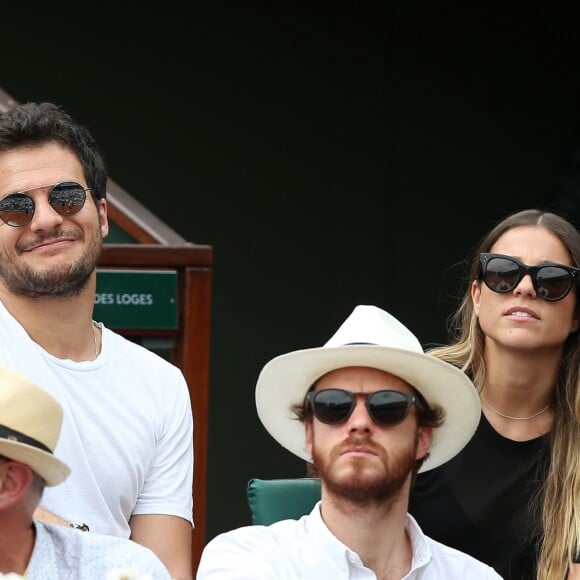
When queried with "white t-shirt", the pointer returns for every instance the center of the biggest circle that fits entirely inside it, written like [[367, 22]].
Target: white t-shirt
[[127, 431], [306, 549]]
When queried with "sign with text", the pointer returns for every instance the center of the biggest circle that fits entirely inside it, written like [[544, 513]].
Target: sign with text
[[138, 299]]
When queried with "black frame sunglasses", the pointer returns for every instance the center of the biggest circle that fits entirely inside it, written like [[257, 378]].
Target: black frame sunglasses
[[502, 274], [335, 406], [66, 199]]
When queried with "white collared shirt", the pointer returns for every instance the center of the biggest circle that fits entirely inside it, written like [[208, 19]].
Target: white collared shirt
[[307, 549]]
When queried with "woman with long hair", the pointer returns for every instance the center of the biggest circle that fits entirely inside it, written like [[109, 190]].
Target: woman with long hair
[[511, 497]]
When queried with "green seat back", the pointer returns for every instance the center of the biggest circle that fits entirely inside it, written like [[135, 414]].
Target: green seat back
[[271, 500]]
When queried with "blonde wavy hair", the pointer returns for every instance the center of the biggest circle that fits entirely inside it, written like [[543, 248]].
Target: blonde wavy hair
[[559, 497]]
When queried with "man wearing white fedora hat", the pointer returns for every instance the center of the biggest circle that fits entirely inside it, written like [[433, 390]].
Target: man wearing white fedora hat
[[370, 409], [30, 423]]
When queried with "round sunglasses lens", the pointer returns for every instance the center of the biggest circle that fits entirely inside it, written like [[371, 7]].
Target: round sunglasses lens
[[388, 407], [67, 198], [16, 210], [501, 275], [553, 282], [332, 406]]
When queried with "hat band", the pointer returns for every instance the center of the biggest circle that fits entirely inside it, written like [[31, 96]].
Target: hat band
[[13, 435]]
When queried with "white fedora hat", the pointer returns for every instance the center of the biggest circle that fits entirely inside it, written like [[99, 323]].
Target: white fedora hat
[[30, 422], [369, 337]]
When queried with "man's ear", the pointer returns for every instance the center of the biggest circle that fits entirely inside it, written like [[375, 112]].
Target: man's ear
[[423, 441], [15, 479], [103, 217]]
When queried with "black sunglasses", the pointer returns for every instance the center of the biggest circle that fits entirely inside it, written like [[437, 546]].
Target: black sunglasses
[[334, 406], [503, 273], [66, 199]]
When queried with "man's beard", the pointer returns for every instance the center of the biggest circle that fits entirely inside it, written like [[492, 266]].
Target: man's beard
[[63, 281], [361, 485]]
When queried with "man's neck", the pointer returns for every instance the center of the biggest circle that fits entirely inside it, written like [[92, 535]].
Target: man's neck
[[16, 545], [62, 326], [376, 532]]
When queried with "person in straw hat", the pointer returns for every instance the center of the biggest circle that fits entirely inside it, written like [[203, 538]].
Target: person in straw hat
[[30, 423], [369, 409]]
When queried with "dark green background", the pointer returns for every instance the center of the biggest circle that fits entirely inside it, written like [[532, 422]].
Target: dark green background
[[331, 155]]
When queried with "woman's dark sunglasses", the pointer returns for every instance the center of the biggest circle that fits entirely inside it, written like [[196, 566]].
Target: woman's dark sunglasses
[[503, 273], [66, 199], [334, 406]]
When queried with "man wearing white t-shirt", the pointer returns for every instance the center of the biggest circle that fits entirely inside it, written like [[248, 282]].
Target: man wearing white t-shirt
[[128, 428]]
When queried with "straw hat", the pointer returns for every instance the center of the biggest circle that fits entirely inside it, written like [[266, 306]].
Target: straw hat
[[30, 422]]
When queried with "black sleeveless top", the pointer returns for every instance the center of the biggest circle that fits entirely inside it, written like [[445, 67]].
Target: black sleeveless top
[[484, 501]]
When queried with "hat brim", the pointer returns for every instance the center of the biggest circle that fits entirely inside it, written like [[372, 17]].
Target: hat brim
[[285, 380], [46, 465]]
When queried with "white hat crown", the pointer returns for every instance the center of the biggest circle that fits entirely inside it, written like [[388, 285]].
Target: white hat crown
[[371, 325]]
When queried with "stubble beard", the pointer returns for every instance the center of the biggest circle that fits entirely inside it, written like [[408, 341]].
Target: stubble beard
[[60, 281], [361, 485]]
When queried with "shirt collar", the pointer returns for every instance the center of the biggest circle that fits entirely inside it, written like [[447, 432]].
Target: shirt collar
[[346, 557]]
